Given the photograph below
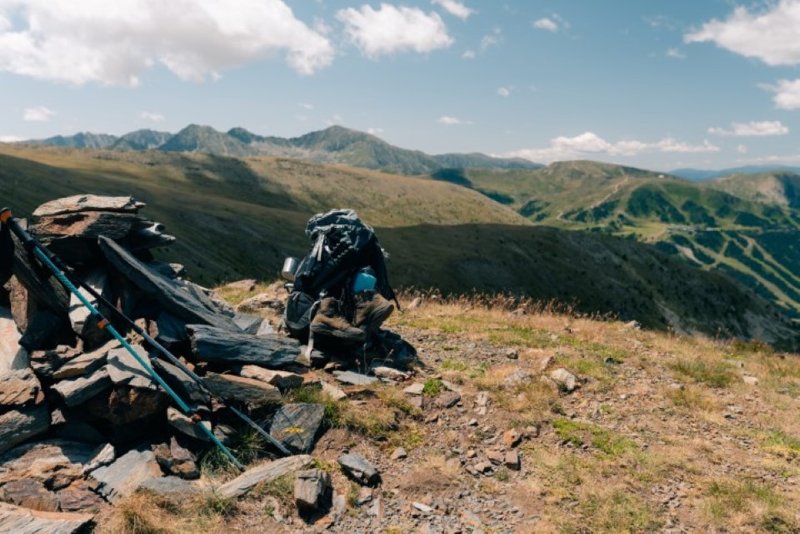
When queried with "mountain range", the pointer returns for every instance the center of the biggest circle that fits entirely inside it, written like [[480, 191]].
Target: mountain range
[[335, 145]]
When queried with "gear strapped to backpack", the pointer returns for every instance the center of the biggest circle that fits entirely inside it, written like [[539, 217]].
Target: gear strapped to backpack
[[341, 245]]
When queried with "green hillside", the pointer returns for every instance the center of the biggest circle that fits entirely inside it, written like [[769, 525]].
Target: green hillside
[[745, 226], [239, 218]]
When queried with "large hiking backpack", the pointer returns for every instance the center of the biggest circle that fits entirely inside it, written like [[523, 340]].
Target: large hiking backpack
[[341, 245]]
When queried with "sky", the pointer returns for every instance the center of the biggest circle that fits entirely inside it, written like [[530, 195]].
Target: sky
[[659, 84]]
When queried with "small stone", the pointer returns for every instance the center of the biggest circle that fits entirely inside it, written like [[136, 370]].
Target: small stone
[[471, 453], [390, 373], [364, 496], [312, 490], [494, 456], [279, 379], [170, 487], [359, 468], [675, 386], [511, 354], [298, 426], [544, 362], [332, 391], [482, 467], [447, 399], [79, 498], [565, 380], [511, 438], [518, 378], [414, 389], [399, 454], [511, 460], [354, 379], [472, 422], [416, 303], [424, 508], [750, 380]]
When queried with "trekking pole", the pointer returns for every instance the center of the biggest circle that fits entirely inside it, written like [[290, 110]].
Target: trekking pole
[[166, 353], [45, 256]]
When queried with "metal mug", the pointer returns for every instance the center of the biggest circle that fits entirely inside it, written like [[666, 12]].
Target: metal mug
[[289, 268]]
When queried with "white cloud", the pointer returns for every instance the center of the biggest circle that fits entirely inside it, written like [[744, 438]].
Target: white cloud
[[392, 29], [455, 8], [468, 54], [375, 131], [10, 138], [546, 24], [674, 53], [113, 43], [787, 93], [741, 149], [553, 23], [504, 91], [306, 105], [37, 114], [752, 129], [491, 39], [451, 121], [589, 144], [151, 116], [770, 35]]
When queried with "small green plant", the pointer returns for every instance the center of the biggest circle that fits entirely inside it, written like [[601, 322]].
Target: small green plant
[[738, 496], [782, 440], [432, 387], [715, 375], [213, 503], [453, 365]]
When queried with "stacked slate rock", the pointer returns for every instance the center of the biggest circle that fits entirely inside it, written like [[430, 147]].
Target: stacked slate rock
[[81, 422]]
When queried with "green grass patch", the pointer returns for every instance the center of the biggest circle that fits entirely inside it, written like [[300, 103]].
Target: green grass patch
[[453, 365], [713, 374], [432, 387], [738, 496], [781, 440], [579, 433]]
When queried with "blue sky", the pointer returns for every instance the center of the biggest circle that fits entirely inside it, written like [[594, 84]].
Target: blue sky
[[659, 83]]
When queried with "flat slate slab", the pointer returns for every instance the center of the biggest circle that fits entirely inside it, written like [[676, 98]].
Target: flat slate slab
[[359, 469], [18, 388], [176, 297], [354, 379], [279, 379], [56, 462], [83, 388], [263, 473], [298, 426], [219, 345], [80, 203], [21, 424], [126, 474], [253, 393], [123, 369], [85, 363], [24, 521]]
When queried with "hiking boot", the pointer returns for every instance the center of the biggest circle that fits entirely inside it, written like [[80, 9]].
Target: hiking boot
[[372, 309], [329, 322]]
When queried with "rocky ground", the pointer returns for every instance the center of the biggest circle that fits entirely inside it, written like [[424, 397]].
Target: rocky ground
[[533, 422]]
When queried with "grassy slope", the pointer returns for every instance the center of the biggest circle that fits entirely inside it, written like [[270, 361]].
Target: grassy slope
[[236, 218], [662, 433]]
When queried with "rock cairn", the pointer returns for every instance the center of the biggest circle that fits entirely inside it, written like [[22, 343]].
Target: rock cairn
[[81, 422]]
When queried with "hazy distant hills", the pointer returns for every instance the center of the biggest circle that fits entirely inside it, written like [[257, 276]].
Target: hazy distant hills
[[335, 145], [700, 174]]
